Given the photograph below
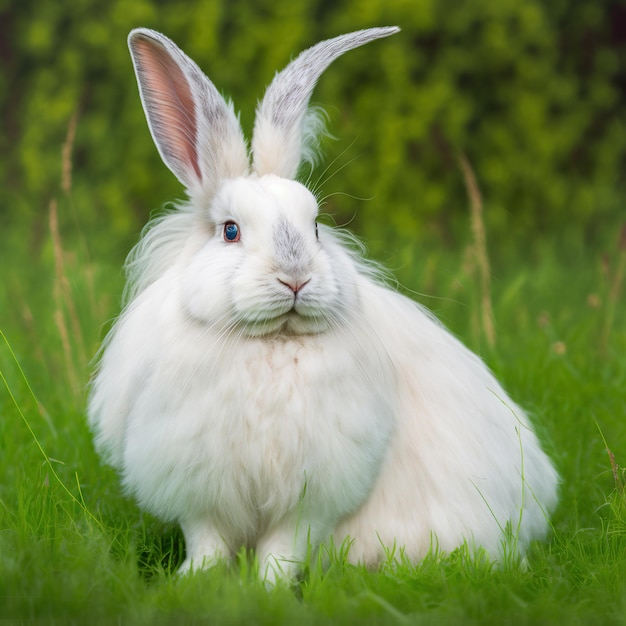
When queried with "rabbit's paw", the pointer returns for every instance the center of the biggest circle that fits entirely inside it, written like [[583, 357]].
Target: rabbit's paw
[[282, 551], [205, 547], [276, 570]]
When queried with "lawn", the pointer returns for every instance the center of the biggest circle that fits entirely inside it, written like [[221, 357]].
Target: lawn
[[73, 549]]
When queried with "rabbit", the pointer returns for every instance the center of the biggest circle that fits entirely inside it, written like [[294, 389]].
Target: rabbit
[[264, 388]]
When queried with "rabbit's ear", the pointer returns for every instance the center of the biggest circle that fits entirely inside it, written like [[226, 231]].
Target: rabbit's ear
[[196, 132], [278, 130]]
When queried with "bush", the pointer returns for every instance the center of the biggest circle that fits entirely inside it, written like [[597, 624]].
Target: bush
[[531, 92]]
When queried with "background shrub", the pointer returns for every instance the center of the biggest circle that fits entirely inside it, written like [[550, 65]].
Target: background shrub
[[532, 92]]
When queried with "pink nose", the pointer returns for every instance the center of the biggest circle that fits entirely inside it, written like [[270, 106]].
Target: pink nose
[[294, 285]]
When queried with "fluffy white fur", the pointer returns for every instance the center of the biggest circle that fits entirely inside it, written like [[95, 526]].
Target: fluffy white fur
[[270, 392]]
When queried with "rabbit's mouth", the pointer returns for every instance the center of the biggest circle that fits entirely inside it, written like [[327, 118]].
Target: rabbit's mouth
[[303, 313], [288, 324]]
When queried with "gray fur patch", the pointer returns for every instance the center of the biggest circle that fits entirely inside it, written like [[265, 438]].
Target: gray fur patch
[[290, 249]]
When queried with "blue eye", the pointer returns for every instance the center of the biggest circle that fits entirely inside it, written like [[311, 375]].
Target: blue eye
[[231, 232]]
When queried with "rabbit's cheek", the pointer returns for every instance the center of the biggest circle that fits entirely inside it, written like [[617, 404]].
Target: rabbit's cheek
[[202, 296]]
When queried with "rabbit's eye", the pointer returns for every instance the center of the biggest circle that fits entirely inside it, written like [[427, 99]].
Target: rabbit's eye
[[231, 232], [316, 233]]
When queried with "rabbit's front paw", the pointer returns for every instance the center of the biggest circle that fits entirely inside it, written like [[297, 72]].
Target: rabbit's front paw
[[275, 570], [205, 547], [282, 551]]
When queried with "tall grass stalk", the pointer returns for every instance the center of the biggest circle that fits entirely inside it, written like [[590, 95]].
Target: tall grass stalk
[[66, 314], [478, 251]]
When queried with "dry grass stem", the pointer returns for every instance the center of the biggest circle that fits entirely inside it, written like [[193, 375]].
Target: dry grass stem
[[65, 302], [66, 185], [479, 249]]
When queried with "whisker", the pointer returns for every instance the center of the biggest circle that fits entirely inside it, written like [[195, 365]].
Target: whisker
[[321, 181]]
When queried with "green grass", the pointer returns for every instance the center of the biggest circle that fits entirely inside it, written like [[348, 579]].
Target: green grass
[[73, 549]]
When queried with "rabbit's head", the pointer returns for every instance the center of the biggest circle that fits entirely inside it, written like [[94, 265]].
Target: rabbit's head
[[263, 267], [259, 260]]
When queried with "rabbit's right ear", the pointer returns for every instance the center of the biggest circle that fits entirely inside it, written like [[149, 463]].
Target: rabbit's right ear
[[277, 142], [196, 132]]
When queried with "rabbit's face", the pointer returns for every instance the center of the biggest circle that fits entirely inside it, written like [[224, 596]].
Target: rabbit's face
[[266, 268]]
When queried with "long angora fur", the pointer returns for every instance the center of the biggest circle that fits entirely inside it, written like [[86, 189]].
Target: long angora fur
[[263, 389]]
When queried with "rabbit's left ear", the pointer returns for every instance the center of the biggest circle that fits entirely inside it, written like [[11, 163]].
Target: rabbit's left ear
[[278, 130], [195, 130]]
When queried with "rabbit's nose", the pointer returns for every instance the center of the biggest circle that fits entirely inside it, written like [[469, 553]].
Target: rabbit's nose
[[294, 284]]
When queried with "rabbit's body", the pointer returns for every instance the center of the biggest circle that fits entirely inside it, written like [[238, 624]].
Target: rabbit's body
[[239, 429], [263, 389]]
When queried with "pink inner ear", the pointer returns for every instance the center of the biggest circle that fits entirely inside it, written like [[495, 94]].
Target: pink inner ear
[[170, 104]]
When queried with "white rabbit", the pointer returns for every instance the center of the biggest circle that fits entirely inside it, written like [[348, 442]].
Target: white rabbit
[[263, 388]]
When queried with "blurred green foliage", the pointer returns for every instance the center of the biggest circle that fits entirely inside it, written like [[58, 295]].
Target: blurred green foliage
[[532, 92]]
